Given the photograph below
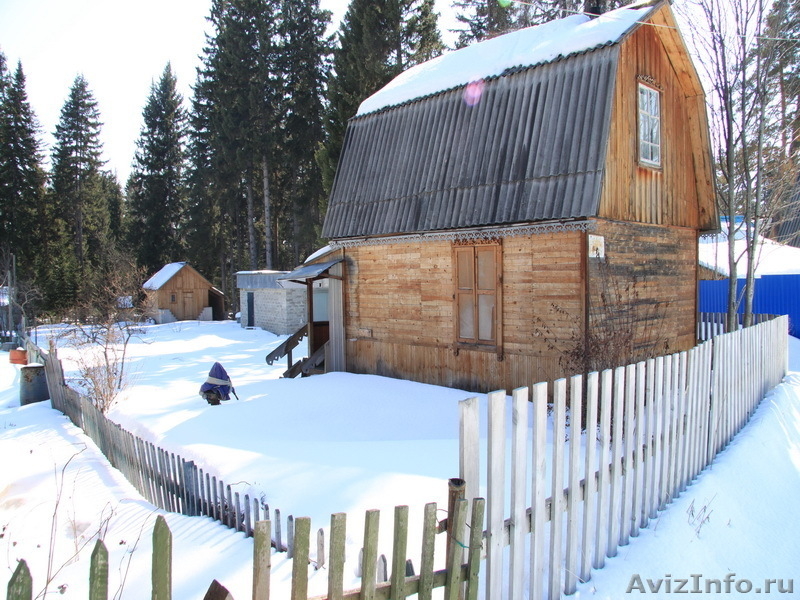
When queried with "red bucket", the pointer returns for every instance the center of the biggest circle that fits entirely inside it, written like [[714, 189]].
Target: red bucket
[[18, 357]]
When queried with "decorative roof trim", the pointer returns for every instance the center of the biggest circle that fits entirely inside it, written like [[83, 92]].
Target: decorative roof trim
[[466, 235]]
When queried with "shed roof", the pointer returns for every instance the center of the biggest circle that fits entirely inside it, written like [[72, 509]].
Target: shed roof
[[525, 144], [167, 272]]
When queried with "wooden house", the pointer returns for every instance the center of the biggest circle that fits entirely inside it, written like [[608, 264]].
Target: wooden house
[[495, 208], [179, 293]]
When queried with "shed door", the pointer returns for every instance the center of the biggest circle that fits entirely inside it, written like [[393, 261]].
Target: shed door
[[251, 307], [188, 306]]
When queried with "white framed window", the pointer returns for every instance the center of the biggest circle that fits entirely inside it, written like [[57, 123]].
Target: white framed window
[[649, 126]]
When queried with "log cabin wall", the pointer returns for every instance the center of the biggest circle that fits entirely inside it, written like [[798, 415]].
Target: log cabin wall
[[651, 270], [669, 194], [399, 302]]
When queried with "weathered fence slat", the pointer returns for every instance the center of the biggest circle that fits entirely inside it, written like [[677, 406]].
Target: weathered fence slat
[[426, 560], [603, 481], [590, 489], [20, 586], [162, 560], [337, 549], [98, 572], [469, 448], [557, 505], [496, 493], [538, 490], [399, 552], [262, 560], [573, 495], [300, 542], [519, 480], [369, 562]]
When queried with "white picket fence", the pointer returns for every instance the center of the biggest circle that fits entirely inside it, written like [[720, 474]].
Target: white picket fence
[[650, 429]]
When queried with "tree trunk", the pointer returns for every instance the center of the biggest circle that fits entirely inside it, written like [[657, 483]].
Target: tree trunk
[[251, 225], [268, 241]]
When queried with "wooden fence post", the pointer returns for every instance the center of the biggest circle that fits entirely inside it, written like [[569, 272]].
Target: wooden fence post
[[98, 572], [453, 583], [262, 560], [455, 491], [162, 560], [20, 587]]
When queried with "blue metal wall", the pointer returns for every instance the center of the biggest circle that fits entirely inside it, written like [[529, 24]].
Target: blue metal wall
[[774, 294]]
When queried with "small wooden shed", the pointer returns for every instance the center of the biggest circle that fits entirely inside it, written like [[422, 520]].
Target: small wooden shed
[[179, 293]]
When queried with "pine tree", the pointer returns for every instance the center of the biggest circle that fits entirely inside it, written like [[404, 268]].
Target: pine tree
[[302, 52], [482, 19], [156, 201], [782, 52], [423, 40], [80, 208], [22, 177]]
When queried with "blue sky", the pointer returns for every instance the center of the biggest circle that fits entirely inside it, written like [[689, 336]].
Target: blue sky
[[119, 46]]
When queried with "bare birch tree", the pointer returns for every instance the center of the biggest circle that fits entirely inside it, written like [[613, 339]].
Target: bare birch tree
[[735, 57]]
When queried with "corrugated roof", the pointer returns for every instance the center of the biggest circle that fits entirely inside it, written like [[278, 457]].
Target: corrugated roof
[[531, 148], [518, 49]]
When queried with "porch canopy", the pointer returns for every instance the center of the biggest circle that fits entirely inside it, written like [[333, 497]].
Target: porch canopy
[[308, 273]]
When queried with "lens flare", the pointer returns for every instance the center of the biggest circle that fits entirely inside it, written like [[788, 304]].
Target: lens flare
[[504, 3], [473, 92]]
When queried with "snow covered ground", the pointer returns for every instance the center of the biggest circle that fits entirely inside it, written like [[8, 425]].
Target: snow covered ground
[[340, 443]]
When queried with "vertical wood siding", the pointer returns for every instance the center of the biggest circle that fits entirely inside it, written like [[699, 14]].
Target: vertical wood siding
[[191, 294], [400, 304], [664, 196]]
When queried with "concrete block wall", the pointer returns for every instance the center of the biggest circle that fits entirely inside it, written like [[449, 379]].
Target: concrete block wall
[[280, 311]]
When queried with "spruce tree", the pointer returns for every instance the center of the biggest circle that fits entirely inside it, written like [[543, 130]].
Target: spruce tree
[[303, 49], [482, 19], [376, 41], [79, 204], [22, 177], [156, 200]]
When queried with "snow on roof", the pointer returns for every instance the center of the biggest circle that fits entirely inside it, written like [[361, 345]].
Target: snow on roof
[[166, 273], [523, 48], [772, 258], [321, 252]]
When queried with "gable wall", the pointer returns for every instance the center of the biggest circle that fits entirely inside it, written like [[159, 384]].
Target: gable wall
[[665, 196]]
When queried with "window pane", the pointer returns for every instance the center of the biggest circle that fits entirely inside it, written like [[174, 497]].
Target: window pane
[[466, 317], [465, 267], [649, 125], [486, 317], [486, 269]]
